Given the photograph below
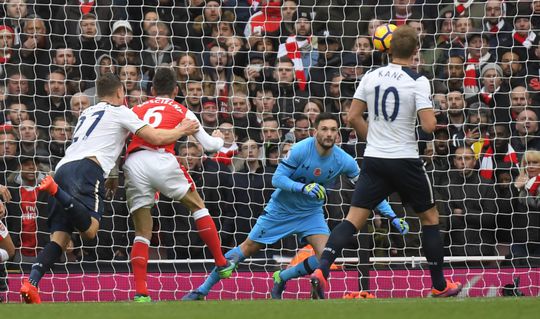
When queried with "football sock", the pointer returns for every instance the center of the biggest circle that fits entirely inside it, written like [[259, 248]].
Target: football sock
[[235, 254], [139, 262], [208, 233], [339, 238], [434, 252], [44, 262], [301, 269], [3, 255], [78, 214]]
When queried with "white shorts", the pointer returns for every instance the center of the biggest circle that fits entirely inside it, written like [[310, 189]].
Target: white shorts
[[148, 172], [3, 231]]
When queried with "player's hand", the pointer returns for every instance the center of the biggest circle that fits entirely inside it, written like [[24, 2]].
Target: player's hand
[[111, 185], [189, 127], [2, 210], [218, 134], [401, 225], [314, 190], [5, 194]]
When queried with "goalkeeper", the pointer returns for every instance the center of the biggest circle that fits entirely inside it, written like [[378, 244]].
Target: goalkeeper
[[296, 204]]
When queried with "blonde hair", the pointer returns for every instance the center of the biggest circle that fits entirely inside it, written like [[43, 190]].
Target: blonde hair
[[530, 155]]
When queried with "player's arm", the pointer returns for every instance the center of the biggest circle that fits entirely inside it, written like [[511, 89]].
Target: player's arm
[[282, 178], [209, 143], [428, 121], [163, 137], [356, 118], [424, 105]]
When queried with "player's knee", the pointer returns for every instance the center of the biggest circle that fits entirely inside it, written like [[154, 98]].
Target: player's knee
[[92, 231], [429, 217], [193, 201]]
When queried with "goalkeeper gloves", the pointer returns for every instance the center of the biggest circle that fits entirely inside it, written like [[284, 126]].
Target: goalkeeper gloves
[[314, 190], [401, 225]]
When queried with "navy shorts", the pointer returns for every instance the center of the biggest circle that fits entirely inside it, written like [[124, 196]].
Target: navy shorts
[[83, 180], [381, 177]]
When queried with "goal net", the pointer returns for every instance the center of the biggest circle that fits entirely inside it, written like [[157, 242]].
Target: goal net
[[260, 71]]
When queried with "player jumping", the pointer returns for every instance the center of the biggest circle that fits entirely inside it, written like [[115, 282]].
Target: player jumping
[[394, 96], [78, 186], [150, 168]]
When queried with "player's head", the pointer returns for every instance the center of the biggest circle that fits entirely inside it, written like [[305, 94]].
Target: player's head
[[164, 83], [110, 89], [327, 129], [404, 42]]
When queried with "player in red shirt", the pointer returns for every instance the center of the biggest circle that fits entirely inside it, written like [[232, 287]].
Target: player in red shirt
[[149, 168]]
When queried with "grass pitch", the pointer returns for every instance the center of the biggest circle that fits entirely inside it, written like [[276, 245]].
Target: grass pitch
[[474, 308]]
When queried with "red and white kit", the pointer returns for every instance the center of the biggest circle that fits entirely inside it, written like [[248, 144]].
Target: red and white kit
[[150, 168]]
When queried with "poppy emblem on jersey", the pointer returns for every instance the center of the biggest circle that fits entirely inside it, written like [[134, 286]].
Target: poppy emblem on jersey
[[317, 172]]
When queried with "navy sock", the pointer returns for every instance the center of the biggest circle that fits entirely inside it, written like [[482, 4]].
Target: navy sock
[[301, 269], [50, 254], [339, 238], [434, 252], [78, 214]]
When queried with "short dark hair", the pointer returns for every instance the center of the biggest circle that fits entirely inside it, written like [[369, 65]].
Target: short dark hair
[[107, 84], [325, 116], [164, 81], [404, 42]]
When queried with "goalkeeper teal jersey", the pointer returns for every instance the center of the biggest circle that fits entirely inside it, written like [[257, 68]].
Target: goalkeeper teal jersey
[[303, 164]]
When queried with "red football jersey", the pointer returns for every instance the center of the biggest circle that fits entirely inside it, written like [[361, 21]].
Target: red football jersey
[[162, 113], [28, 221]]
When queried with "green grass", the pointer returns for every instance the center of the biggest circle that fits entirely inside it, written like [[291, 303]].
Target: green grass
[[474, 308]]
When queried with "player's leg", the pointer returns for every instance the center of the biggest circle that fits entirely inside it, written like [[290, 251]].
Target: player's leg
[[414, 187], [7, 248], [246, 249], [206, 228], [79, 187], [306, 267], [370, 190], [45, 260], [142, 220]]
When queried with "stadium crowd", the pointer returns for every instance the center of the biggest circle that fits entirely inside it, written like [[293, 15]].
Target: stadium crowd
[[260, 71]]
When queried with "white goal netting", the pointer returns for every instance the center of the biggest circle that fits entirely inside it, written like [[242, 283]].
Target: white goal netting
[[260, 71]]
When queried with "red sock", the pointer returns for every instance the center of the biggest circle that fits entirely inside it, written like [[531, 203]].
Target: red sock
[[208, 233], [139, 261]]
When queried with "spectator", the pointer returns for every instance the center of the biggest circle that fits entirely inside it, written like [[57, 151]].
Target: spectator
[[122, 40], [230, 148], [498, 153], [456, 112], [491, 78], [270, 132], [290, 98], [301, 130], [104, 64], [187, 67], [18, 89], [16, 11], [55, 103], [200, 31], [30, 142], [244, 121], [78, 103], [267, 21], [8, 155], [193, 92], [526, 223], [252, 188], [209, 114], [90, 46], [8, 58], [328, 63], [61, 134], [131, 76], [27, 210], [496, 25], [533, 78], [135, 97], [35, 47], [477, 54], [158, 50], [16, 113], [525, 136], [471, 207], [452, 80], [522, 35], [264, 102], [64, 58], [313, 108], [299, 50], [519, 101], [437, 158]]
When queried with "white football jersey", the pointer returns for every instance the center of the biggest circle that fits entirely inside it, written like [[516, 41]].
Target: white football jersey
[[394, 95], [101, 131]]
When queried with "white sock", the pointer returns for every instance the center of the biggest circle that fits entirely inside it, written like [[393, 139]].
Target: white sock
[[3, 255]]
